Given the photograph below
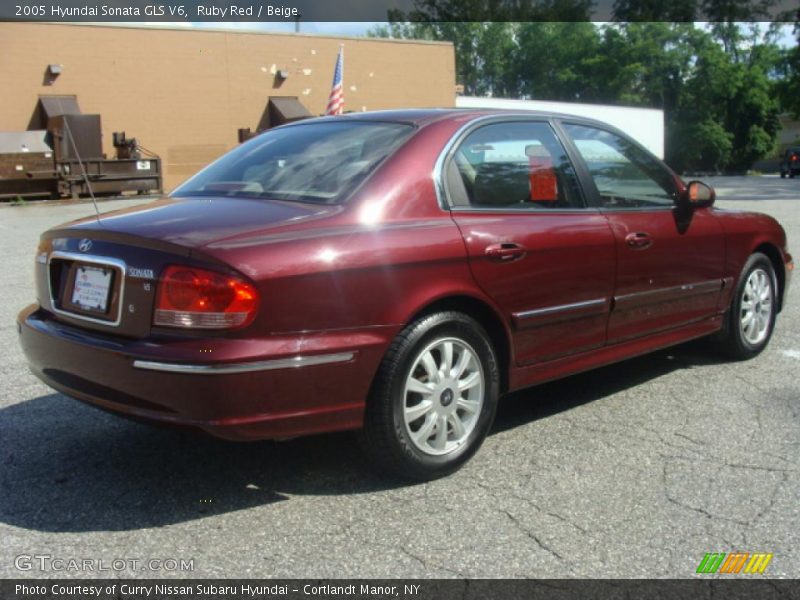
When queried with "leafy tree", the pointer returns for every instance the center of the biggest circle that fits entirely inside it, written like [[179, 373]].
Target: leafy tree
[[719, 87], [483, 51], [655, 10], [431, 11], [702, 145], [650, 62], [556, 61], [482, 32], [688, 11], [789, 78]]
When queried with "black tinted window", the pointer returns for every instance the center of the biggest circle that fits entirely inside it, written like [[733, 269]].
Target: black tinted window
[[515, 165], [315, 162]]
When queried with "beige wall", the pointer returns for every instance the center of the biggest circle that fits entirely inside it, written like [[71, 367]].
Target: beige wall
[[184, 93]]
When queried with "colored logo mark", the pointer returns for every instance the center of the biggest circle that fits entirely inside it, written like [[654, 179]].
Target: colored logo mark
[[735, 562]]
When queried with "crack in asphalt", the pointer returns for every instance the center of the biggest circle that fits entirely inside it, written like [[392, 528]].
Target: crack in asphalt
[[772, 500], [751, 384], [627, 435], [425, 562], [531, 535], [686, 437], [535, 506], [773, 496], [686, 506]]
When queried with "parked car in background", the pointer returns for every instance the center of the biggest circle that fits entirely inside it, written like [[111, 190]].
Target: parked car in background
[[790, 165], [395, 273]]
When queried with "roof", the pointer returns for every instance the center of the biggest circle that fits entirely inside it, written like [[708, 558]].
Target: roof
[[424, 116], [568, 107], [418, 116]]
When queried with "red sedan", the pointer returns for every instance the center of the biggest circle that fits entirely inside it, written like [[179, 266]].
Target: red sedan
[[395, 272]]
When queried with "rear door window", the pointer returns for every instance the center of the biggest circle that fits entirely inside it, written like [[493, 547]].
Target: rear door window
[[512, 166]]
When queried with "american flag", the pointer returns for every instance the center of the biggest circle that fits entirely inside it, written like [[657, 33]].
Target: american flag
[[336, 99]]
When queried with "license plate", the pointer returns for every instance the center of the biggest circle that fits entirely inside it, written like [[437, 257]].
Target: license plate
[[92, 285]]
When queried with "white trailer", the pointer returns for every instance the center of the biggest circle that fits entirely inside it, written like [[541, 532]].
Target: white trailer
[[645, 125]]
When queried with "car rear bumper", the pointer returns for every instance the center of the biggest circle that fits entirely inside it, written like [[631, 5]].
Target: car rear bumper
[[235, 389]]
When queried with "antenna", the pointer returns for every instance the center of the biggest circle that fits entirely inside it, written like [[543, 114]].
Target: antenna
[[83, 169]]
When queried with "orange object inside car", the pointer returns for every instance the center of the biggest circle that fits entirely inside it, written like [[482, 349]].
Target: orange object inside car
[[544, 187]]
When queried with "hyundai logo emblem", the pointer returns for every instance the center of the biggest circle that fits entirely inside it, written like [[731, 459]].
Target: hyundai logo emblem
[[85, 245]]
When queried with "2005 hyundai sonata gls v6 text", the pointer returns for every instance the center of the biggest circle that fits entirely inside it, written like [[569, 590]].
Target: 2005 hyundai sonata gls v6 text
[[395, 272]]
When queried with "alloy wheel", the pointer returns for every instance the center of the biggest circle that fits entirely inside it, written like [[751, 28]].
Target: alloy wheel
[[756, 307], [443, 396]]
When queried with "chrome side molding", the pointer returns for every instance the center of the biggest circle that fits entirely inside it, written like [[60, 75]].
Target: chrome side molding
[[246, 367]]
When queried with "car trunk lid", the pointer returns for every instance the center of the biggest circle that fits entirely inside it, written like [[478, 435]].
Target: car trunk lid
[[102, 274]]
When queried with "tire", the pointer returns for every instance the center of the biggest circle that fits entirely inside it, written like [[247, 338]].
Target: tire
[[755, 297], [783, 174], [410, 399], [791, 174]]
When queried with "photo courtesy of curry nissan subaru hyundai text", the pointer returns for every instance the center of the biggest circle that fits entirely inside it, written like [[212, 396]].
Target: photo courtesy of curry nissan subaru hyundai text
[[395, 273]]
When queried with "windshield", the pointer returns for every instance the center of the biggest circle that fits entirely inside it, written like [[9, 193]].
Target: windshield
[[315, 162]]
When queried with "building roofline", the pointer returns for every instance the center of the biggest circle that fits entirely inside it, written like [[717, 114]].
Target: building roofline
[[167, 27]]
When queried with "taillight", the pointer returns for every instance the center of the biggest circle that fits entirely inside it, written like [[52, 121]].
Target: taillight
[[190, 297]]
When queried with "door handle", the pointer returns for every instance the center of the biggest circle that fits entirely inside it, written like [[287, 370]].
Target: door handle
[[639, 240], [505, 252]]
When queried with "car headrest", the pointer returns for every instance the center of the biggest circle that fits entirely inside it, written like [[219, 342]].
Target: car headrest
[[502, 184]]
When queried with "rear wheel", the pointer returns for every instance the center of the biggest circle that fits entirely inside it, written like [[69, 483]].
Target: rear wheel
[[751, 317], [434, 398]]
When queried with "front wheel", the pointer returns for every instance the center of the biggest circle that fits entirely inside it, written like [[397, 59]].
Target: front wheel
[[434, 398], [751, 317]]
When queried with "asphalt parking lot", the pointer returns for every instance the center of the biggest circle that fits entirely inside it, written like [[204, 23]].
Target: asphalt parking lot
[[633, 470]]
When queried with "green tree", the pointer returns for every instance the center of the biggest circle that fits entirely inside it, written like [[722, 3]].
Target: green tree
[[433, 11], [483, 51], [655, 10], [702, 145], [719, 87], [556, 60], [789, 77], [688, 11], [646, 64], [482, 32]]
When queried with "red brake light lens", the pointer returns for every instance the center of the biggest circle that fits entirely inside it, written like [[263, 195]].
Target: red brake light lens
[[197, 298]]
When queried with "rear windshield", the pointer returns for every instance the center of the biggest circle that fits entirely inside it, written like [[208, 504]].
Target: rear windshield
[[315, 162]]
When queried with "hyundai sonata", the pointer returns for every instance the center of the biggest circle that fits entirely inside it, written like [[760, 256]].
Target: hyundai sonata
[[396, 273]]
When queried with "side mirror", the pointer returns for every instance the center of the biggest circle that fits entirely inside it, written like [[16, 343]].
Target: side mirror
[[699, 195]]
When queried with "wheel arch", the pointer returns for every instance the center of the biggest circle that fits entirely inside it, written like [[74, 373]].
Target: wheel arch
[[774, 255], [489, 319]]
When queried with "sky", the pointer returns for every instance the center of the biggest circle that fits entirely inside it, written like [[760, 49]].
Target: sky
[[332, 28]]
